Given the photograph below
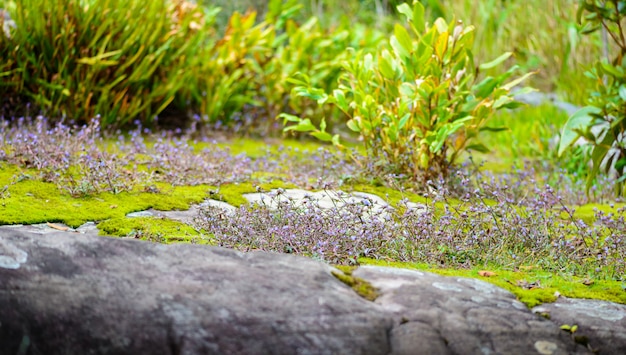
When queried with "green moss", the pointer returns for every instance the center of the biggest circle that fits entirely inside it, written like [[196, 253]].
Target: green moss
[[587, 213], [153, 229], [31, 201], [360, 286], [254, 148], [517, 282]]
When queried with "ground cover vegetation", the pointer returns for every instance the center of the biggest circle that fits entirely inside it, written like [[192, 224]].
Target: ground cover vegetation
[[420, 104]]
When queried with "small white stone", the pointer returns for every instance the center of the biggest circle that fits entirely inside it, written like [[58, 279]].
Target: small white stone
[[544, 347]]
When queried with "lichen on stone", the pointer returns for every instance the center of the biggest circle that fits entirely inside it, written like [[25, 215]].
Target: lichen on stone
[[360, 286]]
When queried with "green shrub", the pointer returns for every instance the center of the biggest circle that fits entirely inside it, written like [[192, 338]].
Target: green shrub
[[246, 72], [221, 84], [121, 59], [417, 105], [603, 122]]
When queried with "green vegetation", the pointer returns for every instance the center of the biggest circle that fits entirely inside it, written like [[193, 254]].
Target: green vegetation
[[360, 286], [402, 86], [28, 200], [418, 106], [603, 121], [75, 58], [530, 284], [152, 229]]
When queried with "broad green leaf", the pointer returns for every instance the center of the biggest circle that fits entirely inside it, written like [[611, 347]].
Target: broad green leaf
[[496, 62], [494, 129], [323, 125], [513, 105], [415, 15], [441, 25], [323, 136], [478, 147], [405, 9], [510, 85], [303, 125], [354, 125], [441, 45], [385, 65], [501, 101], [418, 17], [403, 121], [315, 94], [340, 100], [408, 90], [597, 155], [622, 92], [485, 87], [579, 120], [289, 118], [617, 72], [403, 38], [368, 62]]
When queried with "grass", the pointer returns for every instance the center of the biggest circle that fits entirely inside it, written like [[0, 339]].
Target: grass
[[152, 229]]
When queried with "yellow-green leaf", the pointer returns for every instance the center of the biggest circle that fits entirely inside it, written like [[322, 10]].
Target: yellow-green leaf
[[496, 62]]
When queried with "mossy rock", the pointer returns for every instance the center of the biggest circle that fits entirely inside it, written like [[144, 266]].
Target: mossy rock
[[531, 285], [360, 286], [153, 229]]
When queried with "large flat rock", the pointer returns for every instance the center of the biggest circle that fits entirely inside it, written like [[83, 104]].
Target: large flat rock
[[72, 293], [460, 316], [66, 293]]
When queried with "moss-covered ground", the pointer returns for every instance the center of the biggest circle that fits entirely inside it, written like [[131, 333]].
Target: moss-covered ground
[[25, 199]]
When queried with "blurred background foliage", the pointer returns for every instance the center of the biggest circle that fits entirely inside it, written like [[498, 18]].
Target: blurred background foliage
[[228, 63], [543, 34]]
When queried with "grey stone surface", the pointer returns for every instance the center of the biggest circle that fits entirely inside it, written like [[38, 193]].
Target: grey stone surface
[[188, 216], [140, 214], [601, 324], [68, 293], [439, 315], [536, 98], [325, 199], [39, 228], [88, 228], [73, 293]]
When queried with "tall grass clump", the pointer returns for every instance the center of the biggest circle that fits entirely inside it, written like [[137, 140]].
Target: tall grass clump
[[121, 59], [543, 34]]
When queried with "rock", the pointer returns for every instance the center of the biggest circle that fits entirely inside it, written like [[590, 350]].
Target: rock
[[536, 98], [71, 293], [460, 316], [140, 214], [88, 228], [39, 228], [601, 324], [67, 293], [326, 199], [188, 216]]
